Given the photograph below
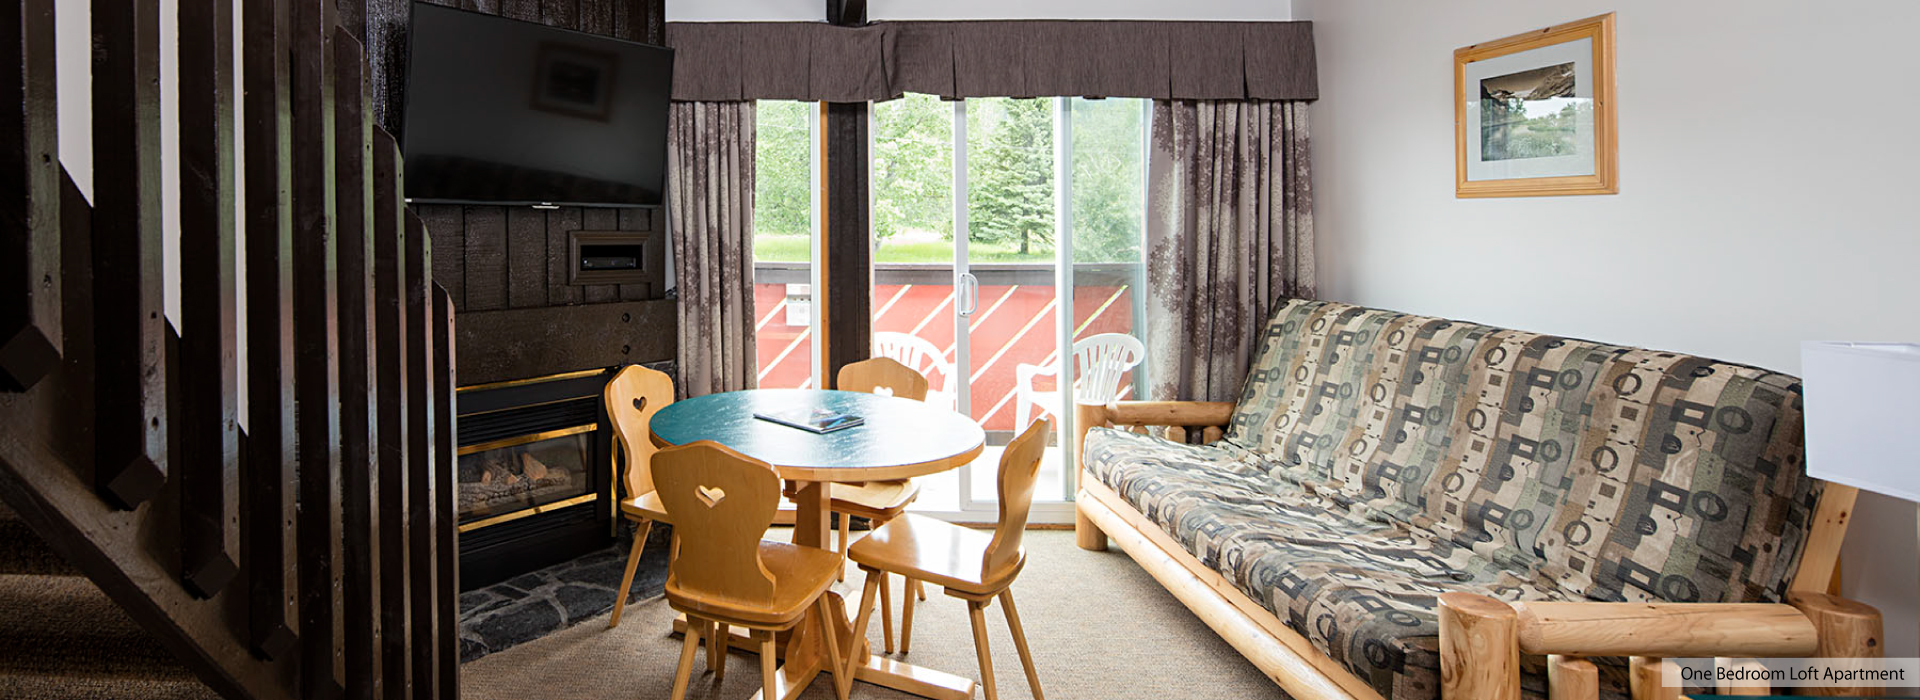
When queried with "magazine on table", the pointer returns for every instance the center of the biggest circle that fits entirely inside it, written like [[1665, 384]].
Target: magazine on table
[[814, 420]]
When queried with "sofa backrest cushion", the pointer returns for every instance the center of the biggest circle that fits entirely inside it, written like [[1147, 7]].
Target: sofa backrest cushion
[[1610, 472]]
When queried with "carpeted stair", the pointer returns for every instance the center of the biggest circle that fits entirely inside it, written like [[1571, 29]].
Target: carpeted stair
[[61, 638]]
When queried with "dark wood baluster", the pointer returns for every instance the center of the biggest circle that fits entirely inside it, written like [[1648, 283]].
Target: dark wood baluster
[[316, 369], [30, 288], [394, 399], [208, 424], [130, 401], [360, 512], [423, 389], [267, 527], [446, 536]]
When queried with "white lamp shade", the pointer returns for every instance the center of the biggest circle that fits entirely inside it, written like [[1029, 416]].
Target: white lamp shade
[[1863, 415]]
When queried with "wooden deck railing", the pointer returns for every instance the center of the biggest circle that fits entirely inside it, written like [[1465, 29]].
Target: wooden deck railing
[[289, 533]]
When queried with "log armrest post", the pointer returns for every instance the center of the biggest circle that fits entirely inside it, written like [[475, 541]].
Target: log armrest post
[[1572, 678], [1085, 417], [1479, 648], [1846, 629]]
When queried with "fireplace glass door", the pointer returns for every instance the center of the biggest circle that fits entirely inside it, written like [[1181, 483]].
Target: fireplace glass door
[[525, 475]]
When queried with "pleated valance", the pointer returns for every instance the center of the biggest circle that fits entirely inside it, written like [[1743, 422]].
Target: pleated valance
[[718, 61]]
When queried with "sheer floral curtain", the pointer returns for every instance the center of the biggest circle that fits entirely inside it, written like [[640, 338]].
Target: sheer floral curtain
[[710, 219], [1229, 230]]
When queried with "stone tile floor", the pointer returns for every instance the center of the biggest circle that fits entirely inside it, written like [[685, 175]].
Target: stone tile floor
[[534, 605]]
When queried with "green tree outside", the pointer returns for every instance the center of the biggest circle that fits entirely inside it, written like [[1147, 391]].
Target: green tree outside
[[1010, 180]]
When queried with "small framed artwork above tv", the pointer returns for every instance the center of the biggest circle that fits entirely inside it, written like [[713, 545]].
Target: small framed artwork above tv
[[1534, 113]]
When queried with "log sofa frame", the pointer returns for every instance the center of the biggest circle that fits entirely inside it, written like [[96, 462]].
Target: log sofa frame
[[1481, 638]]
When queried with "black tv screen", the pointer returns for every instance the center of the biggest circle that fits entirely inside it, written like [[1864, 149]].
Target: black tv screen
[[501, 111]]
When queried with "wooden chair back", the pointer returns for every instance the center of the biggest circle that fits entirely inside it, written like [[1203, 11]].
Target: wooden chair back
[[722, 503], [631, 399], [867, 376], [1019, 469]]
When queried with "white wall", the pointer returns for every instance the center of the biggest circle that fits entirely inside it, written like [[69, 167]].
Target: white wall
[[815, 10], [1766, 198]]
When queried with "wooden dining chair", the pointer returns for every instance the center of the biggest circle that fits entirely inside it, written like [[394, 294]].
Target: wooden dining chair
[[631, 399], [880, 501], [969, 564], [724, 575]]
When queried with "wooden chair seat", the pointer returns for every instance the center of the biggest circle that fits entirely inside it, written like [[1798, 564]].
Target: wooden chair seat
[[936, 551], [804, 573], [977, 567], [879, 500], [646, 506]]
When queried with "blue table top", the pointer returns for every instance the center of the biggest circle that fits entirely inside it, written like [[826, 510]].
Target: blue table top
[[901, 438]]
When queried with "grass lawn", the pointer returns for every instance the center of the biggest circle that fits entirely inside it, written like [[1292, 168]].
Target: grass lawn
[[773, 247]]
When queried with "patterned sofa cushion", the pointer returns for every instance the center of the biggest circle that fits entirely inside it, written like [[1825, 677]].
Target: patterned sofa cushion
[[1361, 589], [1609, 472]]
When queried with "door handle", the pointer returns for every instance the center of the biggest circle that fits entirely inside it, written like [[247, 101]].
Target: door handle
[[969, 294]]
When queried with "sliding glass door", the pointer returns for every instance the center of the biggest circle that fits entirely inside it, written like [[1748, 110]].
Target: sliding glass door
[[974, 210]]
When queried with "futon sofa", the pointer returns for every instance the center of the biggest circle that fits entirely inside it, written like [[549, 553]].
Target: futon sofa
[[1412, 508]]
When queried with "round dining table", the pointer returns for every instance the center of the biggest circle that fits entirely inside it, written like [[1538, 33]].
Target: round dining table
[[898, 439]]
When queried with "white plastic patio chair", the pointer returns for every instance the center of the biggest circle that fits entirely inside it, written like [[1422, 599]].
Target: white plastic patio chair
[[920, 356], [1102, 359]]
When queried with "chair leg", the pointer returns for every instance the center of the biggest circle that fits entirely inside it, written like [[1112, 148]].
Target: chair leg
[[769, 669], [919, 590], [866, 606], [846, 531], [842, 673], [640, 530], [717, 651], [686, 658], [906, 615], [978, 609], [886, 610], [1020, 642]]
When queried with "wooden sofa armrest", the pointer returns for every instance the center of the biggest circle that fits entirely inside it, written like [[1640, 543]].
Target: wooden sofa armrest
[[1664, 629], [1481, 638], [1176, 415], [1179, 413]]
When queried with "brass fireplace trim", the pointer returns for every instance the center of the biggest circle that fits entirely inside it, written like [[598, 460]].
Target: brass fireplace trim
[[530, 380], [536, 510], [519, 440]]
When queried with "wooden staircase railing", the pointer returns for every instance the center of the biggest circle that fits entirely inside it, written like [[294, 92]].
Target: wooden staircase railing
[[268, 489]]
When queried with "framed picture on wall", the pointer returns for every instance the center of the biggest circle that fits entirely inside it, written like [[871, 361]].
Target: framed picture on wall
[[1533, 113]]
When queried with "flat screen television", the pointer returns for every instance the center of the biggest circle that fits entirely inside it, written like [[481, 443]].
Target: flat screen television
[[500, 111]]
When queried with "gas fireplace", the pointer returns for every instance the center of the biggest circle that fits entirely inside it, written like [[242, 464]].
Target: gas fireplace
[[536, 478]]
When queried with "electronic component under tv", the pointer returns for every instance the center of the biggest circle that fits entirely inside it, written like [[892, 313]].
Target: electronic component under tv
[[500, 111]]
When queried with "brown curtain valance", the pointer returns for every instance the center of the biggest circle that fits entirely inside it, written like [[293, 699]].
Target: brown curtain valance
[[718, 61]]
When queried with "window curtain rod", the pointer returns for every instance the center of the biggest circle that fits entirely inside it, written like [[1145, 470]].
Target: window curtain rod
[[811, 61]]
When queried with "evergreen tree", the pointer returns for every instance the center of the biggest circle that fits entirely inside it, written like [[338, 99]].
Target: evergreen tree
[[1010, 185]]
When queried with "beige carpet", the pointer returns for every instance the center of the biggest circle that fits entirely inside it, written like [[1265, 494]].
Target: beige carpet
[[1101, 629]]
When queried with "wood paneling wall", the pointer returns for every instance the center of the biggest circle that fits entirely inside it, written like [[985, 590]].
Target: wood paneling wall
[[492, 258]]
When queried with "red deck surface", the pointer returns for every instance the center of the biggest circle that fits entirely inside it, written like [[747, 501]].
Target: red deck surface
[[1014, 325]]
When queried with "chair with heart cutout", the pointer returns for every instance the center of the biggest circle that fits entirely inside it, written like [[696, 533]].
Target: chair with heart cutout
[[723, 574], [631, 399]]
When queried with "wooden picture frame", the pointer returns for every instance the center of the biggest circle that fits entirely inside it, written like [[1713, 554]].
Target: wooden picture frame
[[1513, 140]]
